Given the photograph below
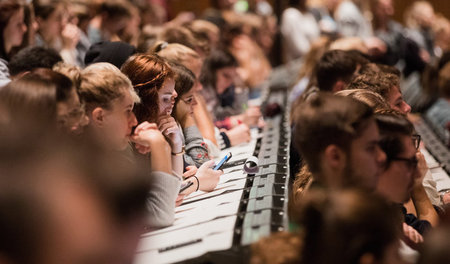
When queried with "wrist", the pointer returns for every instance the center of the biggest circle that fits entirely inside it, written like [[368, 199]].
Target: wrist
[[179, 152], [176, 146], [196, 181]]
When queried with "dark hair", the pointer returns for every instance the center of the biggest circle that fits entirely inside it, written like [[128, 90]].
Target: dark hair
[[444, 81], [115, 9], [7, 10], [336, 65], [340, 227], [218, 59], [115, 53], [184, 81], [392, 126], [44, 8], [31, 58], [147, 73], [296, 3], [325, 120]]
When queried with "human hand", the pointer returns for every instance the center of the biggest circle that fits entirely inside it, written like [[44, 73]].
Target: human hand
[[412, 237], [169, 128], [207, 177], [422, 169], [70, 36], [147, 136], [179, 199], [376, 47], [251, 116], [239, 134], [190, 171], [445, 197]]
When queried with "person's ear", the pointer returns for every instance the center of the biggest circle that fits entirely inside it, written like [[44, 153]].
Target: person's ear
[[339, 86], [98, 116], [367, 258], [335, 157]]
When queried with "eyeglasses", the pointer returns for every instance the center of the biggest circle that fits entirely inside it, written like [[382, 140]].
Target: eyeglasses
[[411, 163], [416, 139]]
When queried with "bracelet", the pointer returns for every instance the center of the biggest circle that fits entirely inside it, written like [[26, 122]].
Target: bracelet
[[198, 182], [179, 153]]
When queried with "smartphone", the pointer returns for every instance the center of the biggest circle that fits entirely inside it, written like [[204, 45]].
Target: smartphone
[[223, 161], [185, 186]]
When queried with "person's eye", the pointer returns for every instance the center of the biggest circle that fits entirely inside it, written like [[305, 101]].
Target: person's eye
[[371, 149]]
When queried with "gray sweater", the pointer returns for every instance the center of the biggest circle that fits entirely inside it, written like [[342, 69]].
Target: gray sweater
[[164, 190], [195, 146]]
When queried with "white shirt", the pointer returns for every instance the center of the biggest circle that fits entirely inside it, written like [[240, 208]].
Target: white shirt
[[299, 30]]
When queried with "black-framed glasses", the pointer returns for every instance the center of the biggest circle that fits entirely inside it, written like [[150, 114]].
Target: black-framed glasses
[[416, 139], [411, 163]]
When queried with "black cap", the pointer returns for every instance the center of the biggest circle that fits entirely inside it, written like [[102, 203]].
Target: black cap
[[115, 53]]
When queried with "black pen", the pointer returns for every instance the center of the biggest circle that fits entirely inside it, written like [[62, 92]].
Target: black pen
[[187, 185]]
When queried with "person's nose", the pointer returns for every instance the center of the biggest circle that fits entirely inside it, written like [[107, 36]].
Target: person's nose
[[406, 108], [381, 156], [133, 120]]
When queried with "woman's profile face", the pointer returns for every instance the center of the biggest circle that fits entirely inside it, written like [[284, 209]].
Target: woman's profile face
[[225, 78], [166, 97], [15, 29], [53, 25]]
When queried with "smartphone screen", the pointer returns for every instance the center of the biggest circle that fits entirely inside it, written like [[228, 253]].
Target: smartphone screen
[[223, 161]]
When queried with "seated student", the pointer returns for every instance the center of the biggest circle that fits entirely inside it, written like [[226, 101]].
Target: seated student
[[385, 84], [303, 177], [196, 149], [51, 96], [346, 226], [109, 99], [376, 102], [32, 57], [112, 17], [225, 138], [334, 71], [153, 79], [54, 30], [439, 112], [338, 139], [12, 30], [404, 171], [225, 100], [94, 205]]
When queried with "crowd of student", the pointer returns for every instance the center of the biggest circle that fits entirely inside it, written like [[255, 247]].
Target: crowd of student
[[107, 108]]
